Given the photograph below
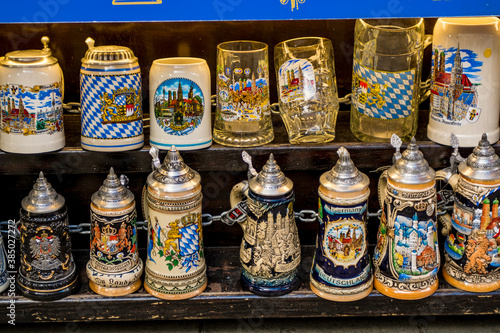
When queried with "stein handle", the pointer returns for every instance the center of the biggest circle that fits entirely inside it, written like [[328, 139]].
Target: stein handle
[[427, 86], [62, 85], [445, 219], [382, 184], [145, 208]]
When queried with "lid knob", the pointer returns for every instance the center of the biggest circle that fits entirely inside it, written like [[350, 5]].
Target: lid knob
[[344, 176], [270, 181], [45, 41], [42, 198], [483, 163], [411, 168]]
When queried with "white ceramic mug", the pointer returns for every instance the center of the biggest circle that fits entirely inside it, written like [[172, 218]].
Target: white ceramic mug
[[179, 94], [465, 80]]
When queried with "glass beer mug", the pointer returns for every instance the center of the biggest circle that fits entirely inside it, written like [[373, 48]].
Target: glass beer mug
[[386, 78]]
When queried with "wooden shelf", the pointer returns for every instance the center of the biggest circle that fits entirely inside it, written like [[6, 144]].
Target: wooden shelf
[[225, 299]]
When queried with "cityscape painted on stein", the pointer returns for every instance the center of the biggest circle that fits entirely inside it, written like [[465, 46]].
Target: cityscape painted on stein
[[242, 95], [296, 80], [31, 110], [475, 238], [178, 106], [455, 79]]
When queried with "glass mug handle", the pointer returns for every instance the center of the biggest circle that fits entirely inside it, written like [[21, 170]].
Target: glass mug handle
[[426, 92]]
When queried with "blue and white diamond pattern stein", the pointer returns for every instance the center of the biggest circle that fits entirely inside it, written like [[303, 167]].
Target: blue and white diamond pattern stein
[[111, 99], [175, 263], [114, 268], [31, 96], [341, 268], [47, 270], [270, 248], [406, 258]]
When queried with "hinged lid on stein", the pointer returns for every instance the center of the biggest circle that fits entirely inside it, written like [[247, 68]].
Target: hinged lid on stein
[[410, 167], [107, 54], [344, 176], [42, 198], [30, 58], [270, 181], [482, 164], [173, 175], [113, 193]]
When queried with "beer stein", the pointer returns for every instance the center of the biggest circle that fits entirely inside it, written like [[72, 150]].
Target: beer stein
[[472, 246], [180, 111], [175, 263], [111, 99], [243, 115], [388, 57], [406, 259], [465, 80], [270, 249], [341, 269], [114, 268], [4, 276], [47, 270], [307, 89], [31, 96]]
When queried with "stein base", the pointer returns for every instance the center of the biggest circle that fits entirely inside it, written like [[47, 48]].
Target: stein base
[[270, 291], [406, 295], [441, 134], [112, 144], [251, 139], [171, 297], [342, 298], [115, 291], [471, 287], [4, 286], [31, 144], [43, 294]]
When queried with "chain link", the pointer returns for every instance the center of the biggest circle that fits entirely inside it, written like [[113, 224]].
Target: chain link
[[302, 216], [72, 107]]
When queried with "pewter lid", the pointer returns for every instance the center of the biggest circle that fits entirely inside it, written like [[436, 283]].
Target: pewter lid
[[30, 58], [270, 181], [410, 167], [173, 175], [344, 176], [107, 54], [483, 163], [113, 193], [42, 198]]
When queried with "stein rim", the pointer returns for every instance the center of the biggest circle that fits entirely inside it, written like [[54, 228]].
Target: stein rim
[[470, 21], [319, 41], [260, 46], [385, 27], [179, 61]]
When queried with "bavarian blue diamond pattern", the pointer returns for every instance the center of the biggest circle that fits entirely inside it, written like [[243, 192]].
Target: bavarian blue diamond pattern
[[92, 88], [189, 243], [394, 98]]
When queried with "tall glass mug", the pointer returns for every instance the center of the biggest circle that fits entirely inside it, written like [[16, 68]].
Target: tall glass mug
[[243, 116], [386, 78], [307, 89]]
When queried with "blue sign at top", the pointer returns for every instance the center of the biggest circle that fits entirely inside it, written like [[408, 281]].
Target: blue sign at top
[[42, 11]]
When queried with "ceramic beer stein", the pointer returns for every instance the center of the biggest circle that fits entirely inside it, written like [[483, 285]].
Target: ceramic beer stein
[[175, 264], [47, 270], [270, 249], [465, 80], [114, 268], [31, 96], [4, 276], [406, 259], [180, 111], [472, 246], [341, 269], [111, 99]]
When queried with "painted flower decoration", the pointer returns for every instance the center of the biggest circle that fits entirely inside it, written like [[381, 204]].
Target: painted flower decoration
[[119, 255], [99, 254]]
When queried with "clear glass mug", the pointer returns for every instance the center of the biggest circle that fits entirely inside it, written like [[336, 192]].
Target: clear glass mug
[[387, 70], [243, 115], [307, 89]]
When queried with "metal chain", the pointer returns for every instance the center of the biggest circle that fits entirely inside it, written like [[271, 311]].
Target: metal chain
[[72, 107]]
